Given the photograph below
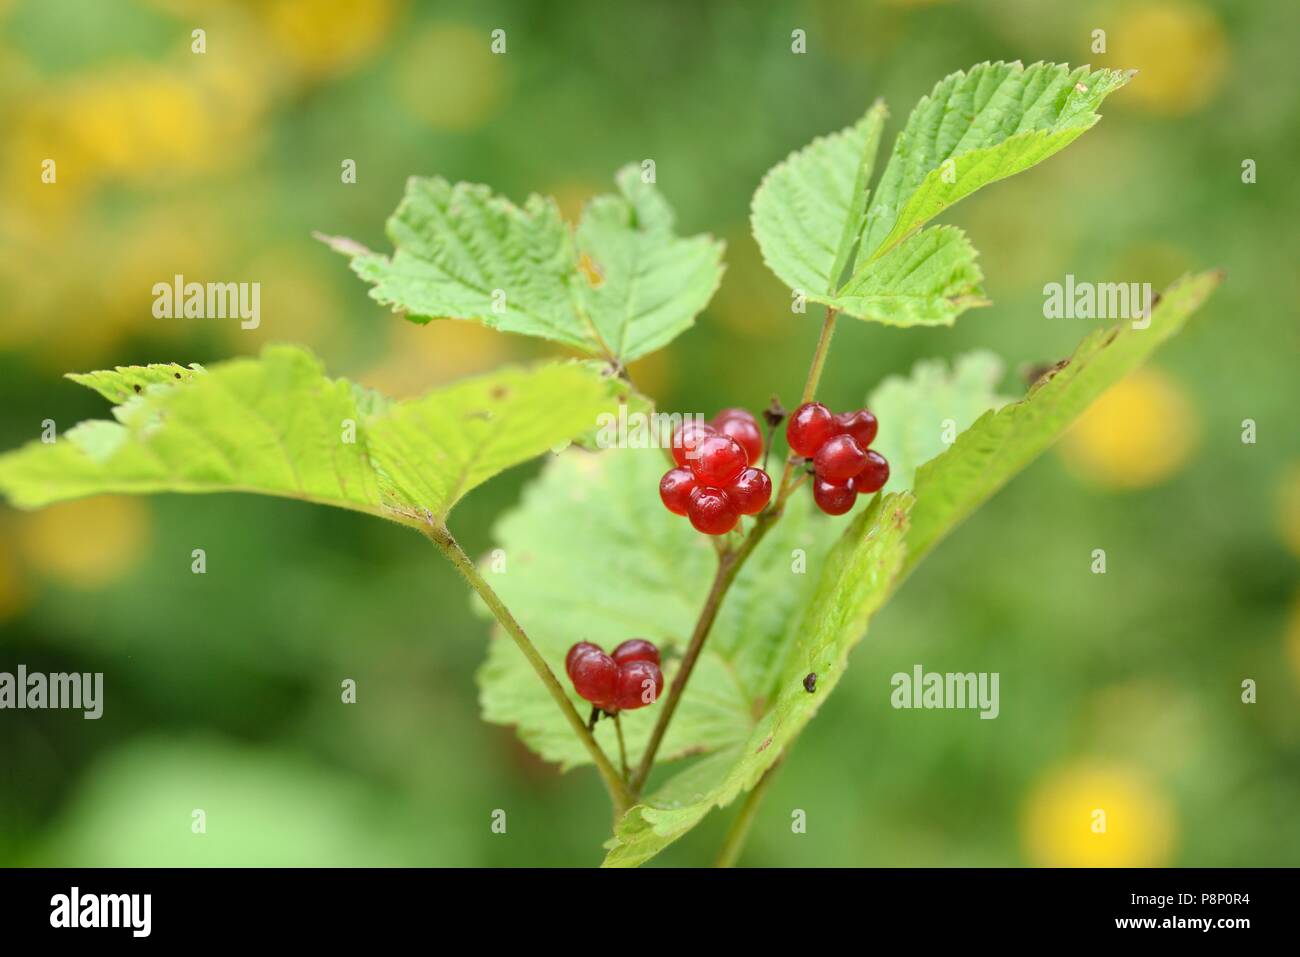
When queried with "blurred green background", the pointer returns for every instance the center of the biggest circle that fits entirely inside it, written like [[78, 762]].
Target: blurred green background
[[222, 691]]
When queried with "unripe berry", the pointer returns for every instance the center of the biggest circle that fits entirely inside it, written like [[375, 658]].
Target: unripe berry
[[635, 649], [861, 425], [839, 459], [687, 438], [719, 459], [808, 429], [675, 489], [751, 491], [595, 678], [874, 474], [576, 652], [639, 684], [834, 498], [712, 511]]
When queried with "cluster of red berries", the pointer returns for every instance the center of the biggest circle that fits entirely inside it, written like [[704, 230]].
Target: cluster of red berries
[[844, 465], [624, 681], [715, 481]]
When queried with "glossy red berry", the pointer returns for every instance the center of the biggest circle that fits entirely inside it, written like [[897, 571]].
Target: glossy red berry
[[808, 429], [712, 511], [751, 491], [861, 425], [746, 433], [595, 678], [719, 459], [577, 651], [874, 474], [687, 438], [639, 684], [635, 649], [743, 427], [839, 459], [675, 489], [834, 498]]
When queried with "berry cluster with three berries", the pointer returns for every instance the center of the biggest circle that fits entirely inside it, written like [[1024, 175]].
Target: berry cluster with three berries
[[715, 481], [844, 465], [624, 681]]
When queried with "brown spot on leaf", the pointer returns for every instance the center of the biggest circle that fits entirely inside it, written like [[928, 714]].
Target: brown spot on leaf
[[764, 746], [591, 271]]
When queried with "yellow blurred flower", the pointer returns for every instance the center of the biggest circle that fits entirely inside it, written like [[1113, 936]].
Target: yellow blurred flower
[[1096, 815], [88, 543], [326, 37], [419, 358], [1138, 433], [449, 77], [1178, 48]]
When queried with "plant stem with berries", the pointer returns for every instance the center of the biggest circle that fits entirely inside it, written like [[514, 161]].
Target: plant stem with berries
[[614, 783], [729, 565]]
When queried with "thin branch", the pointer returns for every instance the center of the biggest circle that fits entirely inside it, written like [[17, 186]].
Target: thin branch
[[622, 748], [440, 536], [734, 843], [729, 565]]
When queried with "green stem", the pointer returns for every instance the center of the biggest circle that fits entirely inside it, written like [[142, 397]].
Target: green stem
[[440, 536], [819, 357], [729, 565], [622, 748], [738, 833]]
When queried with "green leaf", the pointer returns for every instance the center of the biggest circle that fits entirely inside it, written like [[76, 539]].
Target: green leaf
[[855, 579], [590, 557], [277, 426], [991, 122], [626, 287], [928, 279], [1003, 442], [918, 411], [650, 285], [121, 384], [808, 212]]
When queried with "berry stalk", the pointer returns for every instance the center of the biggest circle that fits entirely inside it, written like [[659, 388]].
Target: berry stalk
[[729, 565], [440, 536]]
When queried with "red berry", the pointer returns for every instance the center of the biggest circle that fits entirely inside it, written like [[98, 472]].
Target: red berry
[[874, 474], [712, 511], [595, 678], [687, 438], [839, 459], [675, 489], [639, 684], [718, 460], [861, 425], [834, 498], [735, 412], [577, 651], [635, 649], [744, 430], [810, 426], [751, 491]]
